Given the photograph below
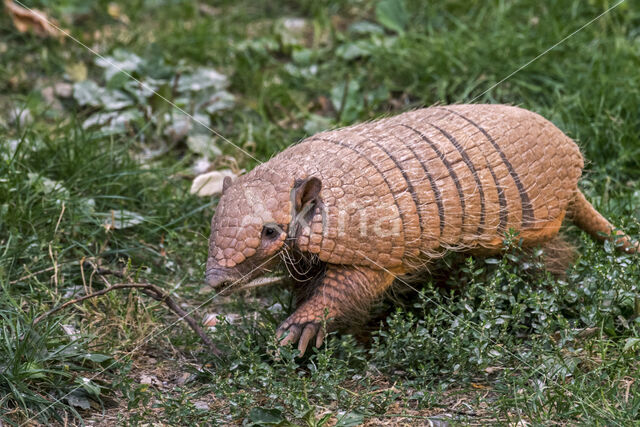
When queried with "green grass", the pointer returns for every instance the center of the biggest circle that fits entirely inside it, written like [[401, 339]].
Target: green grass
[[505, 342]]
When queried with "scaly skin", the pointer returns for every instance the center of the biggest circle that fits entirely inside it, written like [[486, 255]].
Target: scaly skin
[[381, 199]]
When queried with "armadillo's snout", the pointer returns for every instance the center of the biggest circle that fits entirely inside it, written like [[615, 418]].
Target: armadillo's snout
[[218, 278]]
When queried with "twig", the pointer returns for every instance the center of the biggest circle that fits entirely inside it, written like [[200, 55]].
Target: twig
[[30, 275], [149, 289], [183, 315]]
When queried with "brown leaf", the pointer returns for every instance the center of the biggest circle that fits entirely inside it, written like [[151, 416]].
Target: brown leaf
[[479, 386], [32, 20]]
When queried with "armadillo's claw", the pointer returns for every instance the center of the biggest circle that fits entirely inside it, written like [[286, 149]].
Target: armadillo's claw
[[303, 332], [320, 337], [309, 332], [293, 333]]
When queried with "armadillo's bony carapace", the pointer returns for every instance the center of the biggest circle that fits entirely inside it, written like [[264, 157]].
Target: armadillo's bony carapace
[[381, 199]]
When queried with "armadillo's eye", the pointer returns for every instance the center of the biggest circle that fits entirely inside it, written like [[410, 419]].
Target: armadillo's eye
[[270, 231]]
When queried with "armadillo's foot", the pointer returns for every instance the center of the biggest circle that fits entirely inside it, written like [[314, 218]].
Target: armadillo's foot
[[343, 293], [303, 332]]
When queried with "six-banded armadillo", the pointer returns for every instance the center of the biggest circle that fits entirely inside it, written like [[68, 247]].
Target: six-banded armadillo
[[381, 199]]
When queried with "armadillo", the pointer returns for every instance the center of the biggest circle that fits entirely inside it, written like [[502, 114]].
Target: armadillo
[[379, 200]]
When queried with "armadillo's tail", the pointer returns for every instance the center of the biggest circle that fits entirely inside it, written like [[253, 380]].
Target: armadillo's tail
[[585, 216]]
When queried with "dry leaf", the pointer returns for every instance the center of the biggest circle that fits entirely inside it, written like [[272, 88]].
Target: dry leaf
[[210, 319], [77, 72], [149, 380], [210, 183], [492, 369], [32, 20], [114, 11], [201, 166], [479, 386], [71, 331], [63, 90], [201, 405]]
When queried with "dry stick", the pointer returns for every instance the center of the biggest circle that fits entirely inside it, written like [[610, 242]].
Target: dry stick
[[149, 289]]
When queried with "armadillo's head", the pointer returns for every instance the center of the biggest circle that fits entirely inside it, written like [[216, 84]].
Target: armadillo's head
[[251, 224]]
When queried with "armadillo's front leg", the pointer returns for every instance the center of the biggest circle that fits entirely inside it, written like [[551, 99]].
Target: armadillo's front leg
[[343, 291]]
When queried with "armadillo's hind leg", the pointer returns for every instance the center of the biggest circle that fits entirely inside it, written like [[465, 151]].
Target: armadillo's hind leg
[[344, 292]]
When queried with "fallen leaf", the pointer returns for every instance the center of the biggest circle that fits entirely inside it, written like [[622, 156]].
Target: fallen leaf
[[79, 399], [201, 165], [77, 72], [211, 319], [479, 386], [63, 90], [149, 380], [183, 378], [114, 11], [33, 20], [492, 369], [71, 331], [276, 308], [210, 183], [201, 405]]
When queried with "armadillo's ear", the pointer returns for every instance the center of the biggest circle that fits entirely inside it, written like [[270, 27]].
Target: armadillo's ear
[[305, 191], [226, 183]]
